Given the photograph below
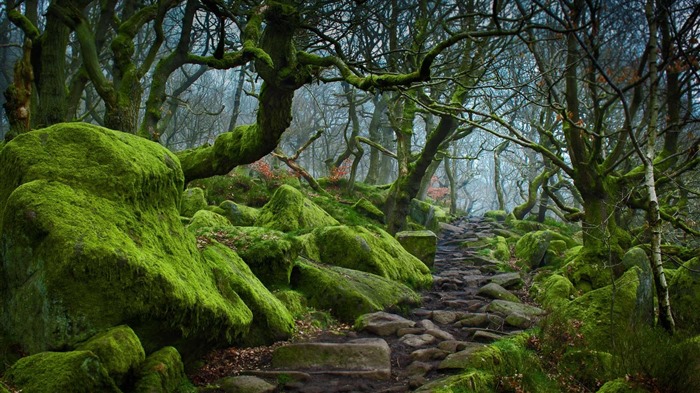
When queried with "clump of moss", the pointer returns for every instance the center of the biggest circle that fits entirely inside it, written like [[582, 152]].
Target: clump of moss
[[239, 214], [163, 372], [119, 350], [193, 200]]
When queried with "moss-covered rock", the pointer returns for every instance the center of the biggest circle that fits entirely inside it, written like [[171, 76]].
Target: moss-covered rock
[[620, 385], [270, 254], [238, 214], [370, 250], [163, 372], [552, 291], [421, 244], [367, 208], [50, 372], [348, 293], [289, 210], [542, 248], [206, 219], [496, 215], [271, 319], [427, 215], [585, 273], [500, 249], [193, 200], [684, 292], [92, 238], [606, 310], [294, 301], [119, 351]]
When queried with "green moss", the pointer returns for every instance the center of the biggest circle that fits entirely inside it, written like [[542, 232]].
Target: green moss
[[427, 215], [348, 293], [50, 372], [237, 187], [370, 250], [289, 210], [500, 249], [238, 214], [684, 292], [271, 319], [270, 254], [193, 200], [294, 301], [119, 351], [207, 219], [163, 372], [92, 238], [620, 385], [470, 381], [421, 244], [366, 208], [496, 215], [552, 291], [605, 310]]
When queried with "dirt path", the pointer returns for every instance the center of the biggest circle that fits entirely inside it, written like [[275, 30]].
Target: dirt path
[[454, 319]]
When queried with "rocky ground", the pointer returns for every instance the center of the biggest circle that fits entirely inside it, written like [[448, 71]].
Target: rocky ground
[[470, 304]]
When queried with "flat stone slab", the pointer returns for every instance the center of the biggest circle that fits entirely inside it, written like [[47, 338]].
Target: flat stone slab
[[413, 340], [369, 357], [506, 308], [245, 384], [482, 336], [495, 291], [461, 359], [507, 280], [383, 323]]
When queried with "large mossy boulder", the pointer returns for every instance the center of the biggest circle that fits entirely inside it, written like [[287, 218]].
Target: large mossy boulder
[[368, 249], [163, 372], [552, 291], [542, 248], [421, 244], [92, 238], [51, 372], [206, 219], [238, 214], [427, 215], [289, 210], [119, 350], [684, 292], [348, 293]]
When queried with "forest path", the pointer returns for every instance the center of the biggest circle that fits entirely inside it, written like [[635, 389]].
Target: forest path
[[456, 317]]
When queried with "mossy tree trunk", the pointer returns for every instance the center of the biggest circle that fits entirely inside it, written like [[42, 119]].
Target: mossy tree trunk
[[375, 135]]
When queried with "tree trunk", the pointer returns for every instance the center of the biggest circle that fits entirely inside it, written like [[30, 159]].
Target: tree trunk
[[497, 175], [375, 135]]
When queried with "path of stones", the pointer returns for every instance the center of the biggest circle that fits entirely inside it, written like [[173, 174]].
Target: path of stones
[[469, 305]]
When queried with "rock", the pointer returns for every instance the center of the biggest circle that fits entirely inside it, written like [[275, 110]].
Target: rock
[[500, 249], [91, 225], [645, 292], [620, 385], [404, 331], [684, 293], [239, 215], [206, 219], [496, 215], [427, 215], [119, 351], [363, 357], [461, 359], [421, 244], [418, 368], [50, 372], [505, 308], [427, 324], [245, 384], [440, 334], [552, 291], [495, 291], [532, 247], [382, 323], [414, 340], [367, 209], [162, 372], [444, 317], [481, 320], [270, 254], [428, 354], [369, 250], [482, 336], [507, 280], [348, 293], [192, 201], [453, 346], [288, 210], [519, 321]]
